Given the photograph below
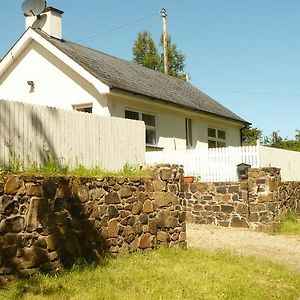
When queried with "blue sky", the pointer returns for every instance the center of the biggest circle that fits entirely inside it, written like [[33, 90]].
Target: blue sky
[[245, 54]]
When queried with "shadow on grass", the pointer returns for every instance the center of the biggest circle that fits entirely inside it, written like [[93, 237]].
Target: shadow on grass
[[59, 236]]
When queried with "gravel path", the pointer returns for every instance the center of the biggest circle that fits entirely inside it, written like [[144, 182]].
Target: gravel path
[[278, 248]]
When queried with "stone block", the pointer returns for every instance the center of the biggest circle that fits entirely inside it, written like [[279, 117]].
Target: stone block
[[159, 186], [112, 212], [152, 227], [242, 209], [137, 208], [8, 205], [266, 197], [12, 224], [12, 185], [227, 208], [134, 245], [112, 198], [113, 228], [164, 199], [148, 206], [182, 237], [166, 174], [49, 187], [233, 189], [171, 222], [98, 194], [37, 215], [202, 187], [33, 190], [222, 189], [34, 257], [127, 231], [256, 207], [175, 236], [162, 236], [81, 193], [54, 242], [239, 222], [144, 218], [146, 241], [126, 191]]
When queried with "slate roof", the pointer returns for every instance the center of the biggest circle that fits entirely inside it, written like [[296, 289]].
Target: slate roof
[[129, 76]]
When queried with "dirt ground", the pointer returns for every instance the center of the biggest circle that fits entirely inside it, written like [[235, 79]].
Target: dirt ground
[[279, 248]]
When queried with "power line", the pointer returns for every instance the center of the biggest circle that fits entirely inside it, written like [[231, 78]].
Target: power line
[[252, 93], [117, 28]]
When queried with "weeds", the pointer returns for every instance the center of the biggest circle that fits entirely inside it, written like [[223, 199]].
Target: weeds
[[52, 166], [290, 224]]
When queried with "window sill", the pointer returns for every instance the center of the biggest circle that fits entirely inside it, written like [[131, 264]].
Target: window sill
[[150, 147]]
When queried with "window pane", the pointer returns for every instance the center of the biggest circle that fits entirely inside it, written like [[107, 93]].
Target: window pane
[[212, 144], [150, 137], [221, 144], [211, 132], [133, 115], [149, 120], [222, 134]]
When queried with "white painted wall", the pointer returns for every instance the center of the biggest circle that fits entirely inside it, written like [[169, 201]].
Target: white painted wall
[[55, 84], [170, 122], [287, 161]]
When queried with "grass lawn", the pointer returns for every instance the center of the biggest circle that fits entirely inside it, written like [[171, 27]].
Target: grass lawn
[[165, 274], [290, 225]]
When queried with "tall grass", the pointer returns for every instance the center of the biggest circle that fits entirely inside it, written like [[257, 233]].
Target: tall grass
[[290, 224], [165, 274]]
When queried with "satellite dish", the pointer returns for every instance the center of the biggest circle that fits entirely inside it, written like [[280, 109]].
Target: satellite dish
[[33, 7]]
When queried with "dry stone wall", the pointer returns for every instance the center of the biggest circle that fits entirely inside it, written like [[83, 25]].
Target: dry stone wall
[[259, 202], [47, 223], [223, 204]]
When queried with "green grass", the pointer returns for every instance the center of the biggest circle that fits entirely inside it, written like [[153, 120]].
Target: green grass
[[165, 274], [52, 168], [290, 225]]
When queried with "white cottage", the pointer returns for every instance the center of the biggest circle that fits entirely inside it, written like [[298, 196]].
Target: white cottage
[[43, 68]]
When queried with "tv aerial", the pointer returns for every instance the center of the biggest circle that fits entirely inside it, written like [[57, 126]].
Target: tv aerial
[[33, 7]]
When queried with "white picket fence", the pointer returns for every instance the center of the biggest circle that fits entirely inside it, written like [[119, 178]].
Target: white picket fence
[[210, 165], [30, 133]]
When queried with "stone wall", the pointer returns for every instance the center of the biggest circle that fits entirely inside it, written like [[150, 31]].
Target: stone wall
[[47, 223], [224, 204], [259, 202]]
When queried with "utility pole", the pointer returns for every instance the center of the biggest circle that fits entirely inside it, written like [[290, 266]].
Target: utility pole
[[165, 39]]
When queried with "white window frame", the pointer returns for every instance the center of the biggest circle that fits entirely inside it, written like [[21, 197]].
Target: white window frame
[[219, 141], [148, 127], [82, 106]]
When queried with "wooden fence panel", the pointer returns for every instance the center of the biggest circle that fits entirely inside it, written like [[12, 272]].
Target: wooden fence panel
[[30, 134]]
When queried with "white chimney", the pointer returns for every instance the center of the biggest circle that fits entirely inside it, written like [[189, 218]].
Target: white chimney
[[50, 21]]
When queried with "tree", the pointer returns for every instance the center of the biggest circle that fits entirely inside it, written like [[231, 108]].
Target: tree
[[250, 135], [145, 52], [275, 140], [176, 59], [297, 135]]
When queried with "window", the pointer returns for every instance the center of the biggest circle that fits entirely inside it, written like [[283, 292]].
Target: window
[[188, 133], [216, 138], [85, 107], [149, 122]]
